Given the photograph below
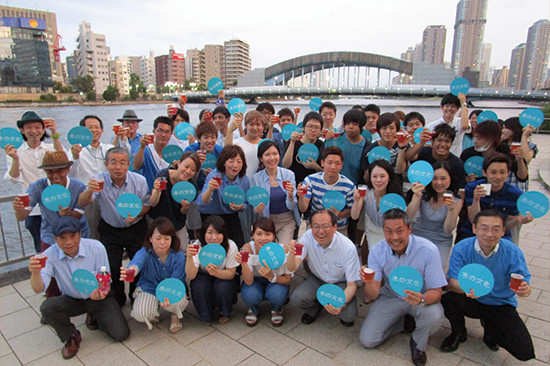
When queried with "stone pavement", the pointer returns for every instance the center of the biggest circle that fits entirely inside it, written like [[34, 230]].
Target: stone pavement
[[25, 341]]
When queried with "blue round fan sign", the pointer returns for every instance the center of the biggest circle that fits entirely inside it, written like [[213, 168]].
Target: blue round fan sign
[[477, 277], [474, 165], [84, 281], [56, 196], [460, 85], [171, 289], [172, 153], [315, 104], [273, 254], [11, 136], [210, 162], [331, 294], [366, 135], [128, 204], [487, 116], [215, 85], [184, 191], [211, 253], [405, 278], [420, 171], [79, 135], [531, 116], [288, 130], [256, 195], [236, 105], [308, 151], [233, 194], [184, 129], [379, 153], [334, 199], [533, 202], [392, 200]]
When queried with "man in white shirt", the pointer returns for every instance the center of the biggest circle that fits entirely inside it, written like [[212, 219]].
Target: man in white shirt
[[221, 117], [450, 105], [90, 161], [332, 258]]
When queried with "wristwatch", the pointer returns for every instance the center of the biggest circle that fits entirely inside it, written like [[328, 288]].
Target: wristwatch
[[422, 302]]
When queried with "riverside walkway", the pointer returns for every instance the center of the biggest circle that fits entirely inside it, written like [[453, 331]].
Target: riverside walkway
[[24, 341]]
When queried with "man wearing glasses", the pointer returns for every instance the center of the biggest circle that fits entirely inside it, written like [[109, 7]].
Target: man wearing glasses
[[332, 258], [116, 232], [148, 159]]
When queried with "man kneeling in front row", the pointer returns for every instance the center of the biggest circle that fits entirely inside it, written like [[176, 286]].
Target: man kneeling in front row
[[71, 252], [496, 310], [386, 316]]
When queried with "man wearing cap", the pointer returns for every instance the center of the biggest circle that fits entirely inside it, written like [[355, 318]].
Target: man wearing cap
[[386, 315], [22, 163], [56, 166], [72, 252], [131, 122], [116, 232]]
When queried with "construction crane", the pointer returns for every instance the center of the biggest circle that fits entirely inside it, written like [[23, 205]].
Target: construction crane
[[58, 47]]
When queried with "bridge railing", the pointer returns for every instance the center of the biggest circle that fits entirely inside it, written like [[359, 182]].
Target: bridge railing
[[16, 244]]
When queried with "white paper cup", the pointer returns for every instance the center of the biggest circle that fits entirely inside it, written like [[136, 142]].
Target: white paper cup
[[487, 187]]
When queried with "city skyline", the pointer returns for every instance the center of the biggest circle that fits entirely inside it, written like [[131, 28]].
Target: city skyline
[[273, 38]]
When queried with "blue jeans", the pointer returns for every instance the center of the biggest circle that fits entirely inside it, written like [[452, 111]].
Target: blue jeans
[[261, 290], [208, 292], [33, 223]]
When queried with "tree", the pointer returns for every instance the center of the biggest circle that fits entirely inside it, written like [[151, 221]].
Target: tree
[[136, 86], [84, 84], [111, 93]]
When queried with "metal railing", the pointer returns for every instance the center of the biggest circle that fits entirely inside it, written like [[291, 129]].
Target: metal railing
[[12, 252]]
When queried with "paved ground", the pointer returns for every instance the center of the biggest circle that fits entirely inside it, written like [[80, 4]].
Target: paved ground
[[25, 341]]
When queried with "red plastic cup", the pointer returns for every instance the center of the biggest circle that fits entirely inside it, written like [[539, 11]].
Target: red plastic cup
[[130, 274], [208, 116], [401, 139], [336, 134], [116, 129], [362, 189], [101, 183], [285, 183], [196, 246], [324, 133], [448, 195], [296, 110], [514, 147], [515, 281], [369, 274], [184, 98], [298, 248], [300, 135], [25, 199], [303, 191], [42, 258], [218, 180], [162, 184], [275, 119], [150, 139], [244, 256]]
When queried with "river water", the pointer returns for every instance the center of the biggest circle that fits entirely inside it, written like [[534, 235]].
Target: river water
[[69, 116]]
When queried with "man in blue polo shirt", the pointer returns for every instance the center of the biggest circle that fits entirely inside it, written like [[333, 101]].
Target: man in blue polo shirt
[[71, 252], [386, 316], [116, 232], [496, 310]]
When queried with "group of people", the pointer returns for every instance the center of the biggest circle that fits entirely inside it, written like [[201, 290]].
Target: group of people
[[165, 238]]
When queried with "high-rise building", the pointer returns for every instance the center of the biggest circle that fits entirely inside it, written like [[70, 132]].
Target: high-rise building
[[213, 62], [170, 68], [499, 78], [433, 44], [24, 55], [119, 74], [516, 66], [236, 57], [92, 56], [147, 70], [469, 30], [537, 49], [485, 64], [71, 71], [195, 66], [50, 32]]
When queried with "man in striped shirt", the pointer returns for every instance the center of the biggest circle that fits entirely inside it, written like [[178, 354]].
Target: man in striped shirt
[[330, 179]]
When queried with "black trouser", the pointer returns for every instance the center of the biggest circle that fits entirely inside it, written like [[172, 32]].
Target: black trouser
[[57, 312], [33, 223], [115, 240], [501, 322], [233, 226]]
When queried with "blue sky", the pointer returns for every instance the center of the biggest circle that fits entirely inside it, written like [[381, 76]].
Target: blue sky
[[284, 29]]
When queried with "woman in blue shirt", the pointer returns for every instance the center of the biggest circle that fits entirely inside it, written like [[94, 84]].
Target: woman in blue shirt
[[159, 259], [230, 170], [282, 205]]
